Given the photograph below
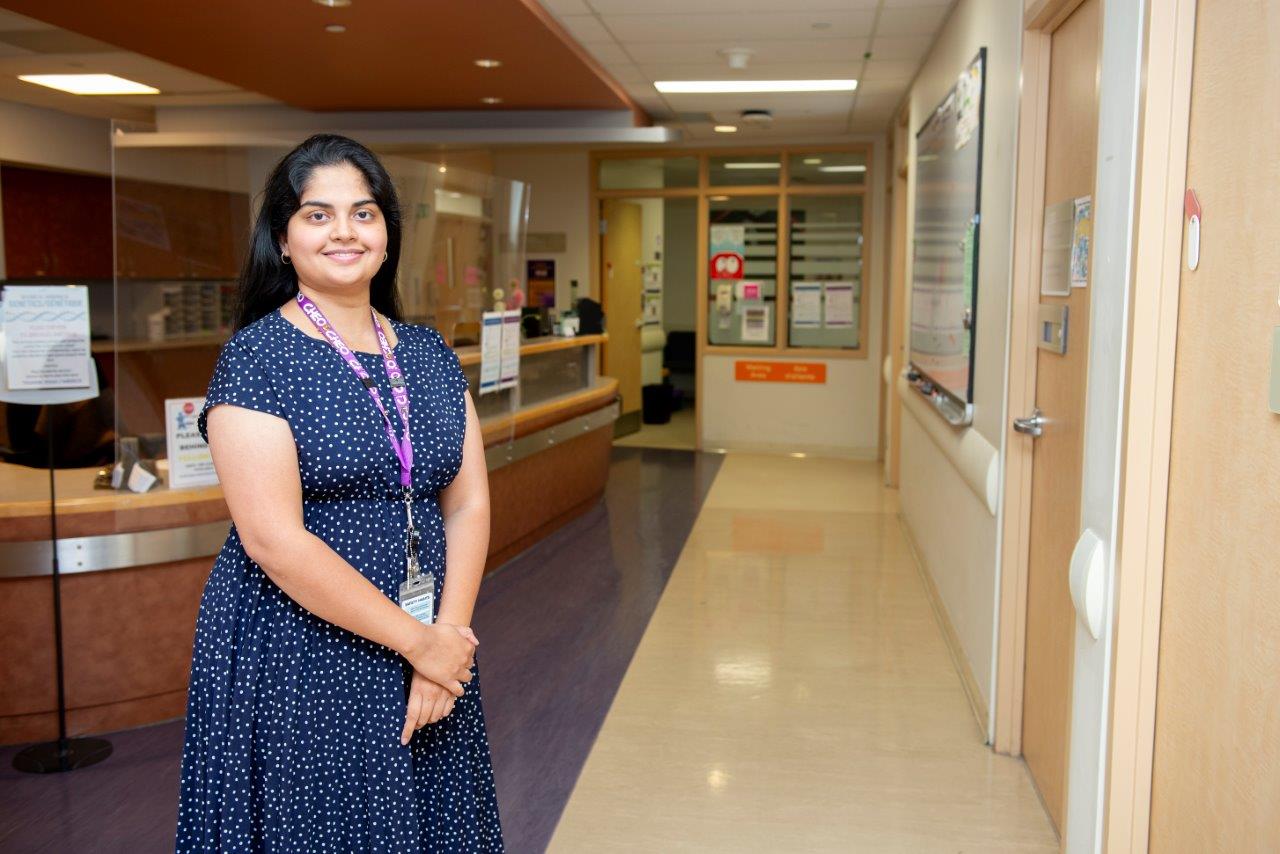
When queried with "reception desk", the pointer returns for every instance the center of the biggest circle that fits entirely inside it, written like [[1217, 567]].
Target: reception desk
[[135, 564]]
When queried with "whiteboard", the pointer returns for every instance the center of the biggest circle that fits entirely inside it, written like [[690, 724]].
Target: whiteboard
[[944, 273]]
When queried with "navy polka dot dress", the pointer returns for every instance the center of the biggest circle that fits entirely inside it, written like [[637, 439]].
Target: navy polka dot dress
[[293, 724]]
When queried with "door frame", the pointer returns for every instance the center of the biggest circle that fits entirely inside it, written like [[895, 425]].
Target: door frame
[[1147, 402], [1144, 471]]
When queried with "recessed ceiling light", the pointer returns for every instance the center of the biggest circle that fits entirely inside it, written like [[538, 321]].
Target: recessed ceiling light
[[333, 4], [812, 161], [488, 63], [335, 28], [746, 165], [726, 128], [90, 84], [491, 100], [850, 168], [712, 87]]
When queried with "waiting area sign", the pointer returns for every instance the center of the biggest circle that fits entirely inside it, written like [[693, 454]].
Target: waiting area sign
[[780, 372]]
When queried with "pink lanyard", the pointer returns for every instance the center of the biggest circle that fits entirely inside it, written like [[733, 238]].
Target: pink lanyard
[[399, 393]]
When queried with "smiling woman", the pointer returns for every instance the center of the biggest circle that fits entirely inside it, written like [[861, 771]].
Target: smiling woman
[[334, 700]]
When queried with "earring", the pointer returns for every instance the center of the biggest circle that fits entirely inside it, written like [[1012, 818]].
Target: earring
[[284, 258]]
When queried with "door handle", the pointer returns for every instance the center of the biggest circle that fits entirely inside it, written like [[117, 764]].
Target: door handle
[[1032, 426]]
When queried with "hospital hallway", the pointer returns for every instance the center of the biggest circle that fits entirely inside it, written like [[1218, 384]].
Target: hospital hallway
[[728, 653]]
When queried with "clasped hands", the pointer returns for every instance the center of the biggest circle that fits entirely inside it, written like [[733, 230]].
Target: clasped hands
[[441, 657]]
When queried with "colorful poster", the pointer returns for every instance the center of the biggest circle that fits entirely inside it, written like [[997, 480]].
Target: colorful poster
[[728, 251], [190, 463], [1081, 238], [541, 276], [47, 337], [968, 103]]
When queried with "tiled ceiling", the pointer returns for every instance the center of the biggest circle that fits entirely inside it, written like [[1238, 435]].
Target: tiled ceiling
[[881, 43]]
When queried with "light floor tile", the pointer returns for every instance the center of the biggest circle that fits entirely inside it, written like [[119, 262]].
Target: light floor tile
[[793, 692]]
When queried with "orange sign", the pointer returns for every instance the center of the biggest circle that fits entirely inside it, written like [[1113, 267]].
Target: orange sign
[[780, 372]]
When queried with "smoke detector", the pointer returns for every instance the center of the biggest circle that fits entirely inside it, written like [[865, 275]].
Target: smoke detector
[[756, 118], [737, 56]]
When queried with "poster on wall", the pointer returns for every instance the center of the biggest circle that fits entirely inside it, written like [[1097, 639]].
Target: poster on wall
[[190, 462], [728, 251], [838, 305], [541, 276], [806, 305], [755, 324], [1081, 238], [46, 337], [968, 102]]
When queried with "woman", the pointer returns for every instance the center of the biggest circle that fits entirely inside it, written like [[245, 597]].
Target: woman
[[328, 711]]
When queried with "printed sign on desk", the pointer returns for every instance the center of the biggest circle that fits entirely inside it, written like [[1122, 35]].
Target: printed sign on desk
[[190, 463], [490, 351], [47, 337], [509, 376]]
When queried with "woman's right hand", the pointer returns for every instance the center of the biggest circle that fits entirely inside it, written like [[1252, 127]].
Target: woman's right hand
[[443, 653]]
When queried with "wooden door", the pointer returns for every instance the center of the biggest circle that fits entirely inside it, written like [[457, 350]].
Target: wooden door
[[1216, 771], [620, 274], [1071, 150]]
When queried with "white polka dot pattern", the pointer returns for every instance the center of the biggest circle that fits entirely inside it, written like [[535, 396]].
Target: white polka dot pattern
[[293, 724]]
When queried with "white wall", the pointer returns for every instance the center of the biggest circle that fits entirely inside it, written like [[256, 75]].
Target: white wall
[[958, 539], [559, 202], [839, 417]]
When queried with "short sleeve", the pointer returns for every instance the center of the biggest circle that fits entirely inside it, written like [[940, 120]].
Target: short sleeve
[[455, 380], [241, 380]]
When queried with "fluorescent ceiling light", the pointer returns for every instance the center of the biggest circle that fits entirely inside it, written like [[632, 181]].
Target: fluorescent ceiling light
[[488, 63], [812, 161], [491, 101], [744, 165], [710, 87], [719, 198], [89, 84], [333, 4], [852, 168], [726, 128], [335, 28]]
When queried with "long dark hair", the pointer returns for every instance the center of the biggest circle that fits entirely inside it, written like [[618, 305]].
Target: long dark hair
[[266, 282]]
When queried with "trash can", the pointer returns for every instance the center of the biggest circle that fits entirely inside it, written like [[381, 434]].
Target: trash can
[[655, 403]]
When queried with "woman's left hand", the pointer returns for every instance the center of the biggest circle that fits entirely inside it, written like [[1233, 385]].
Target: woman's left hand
[[428, 703]]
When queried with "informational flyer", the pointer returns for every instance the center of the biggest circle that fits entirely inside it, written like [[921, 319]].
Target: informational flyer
[[755, 324], [806, 305], [838, 310], [509, 376], [1055, 249], [1081, 238], [968, 102], [47, 337], [190, 463], [490, 351]]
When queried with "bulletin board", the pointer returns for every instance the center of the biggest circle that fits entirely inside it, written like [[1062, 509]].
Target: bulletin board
[[944, 278]]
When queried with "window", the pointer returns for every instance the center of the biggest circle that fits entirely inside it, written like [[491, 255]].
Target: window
[[648, 173], [825, 272]]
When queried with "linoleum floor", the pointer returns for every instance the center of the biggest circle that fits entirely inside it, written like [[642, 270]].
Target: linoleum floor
[[793, 692]]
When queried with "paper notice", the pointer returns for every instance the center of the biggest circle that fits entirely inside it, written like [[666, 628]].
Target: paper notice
[[509, 376], [838, 311], [806, 305], [490, 351], [755, 323], [47, 336]]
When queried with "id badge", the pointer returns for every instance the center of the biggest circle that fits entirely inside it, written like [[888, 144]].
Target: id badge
[[418, 598]]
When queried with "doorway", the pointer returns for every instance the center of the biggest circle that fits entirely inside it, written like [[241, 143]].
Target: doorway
[[648, 247]]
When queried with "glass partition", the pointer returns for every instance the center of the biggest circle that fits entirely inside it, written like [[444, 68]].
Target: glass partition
[[647, 173], [825, 271]]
